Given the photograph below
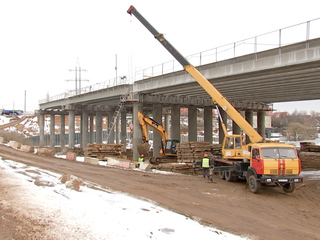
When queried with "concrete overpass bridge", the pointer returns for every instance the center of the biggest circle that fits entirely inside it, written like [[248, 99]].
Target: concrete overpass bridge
[[250, 82]]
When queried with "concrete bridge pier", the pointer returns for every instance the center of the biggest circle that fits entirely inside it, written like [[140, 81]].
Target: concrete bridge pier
[[192, 123], [41, 137], [123, 129], [175, 122], [52, 130], [71, 129], [137, 135], [62, 131], [157, 116], [91, 132], [207, 118], [99, 127], [84, 129], [117, 133], [261, 122], [110, 131], [249, 118], [167, 124]]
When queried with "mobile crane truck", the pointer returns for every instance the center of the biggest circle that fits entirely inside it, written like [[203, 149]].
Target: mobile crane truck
[[258, 162]]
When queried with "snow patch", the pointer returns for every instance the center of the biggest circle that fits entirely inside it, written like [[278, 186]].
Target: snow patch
[[101, 213]]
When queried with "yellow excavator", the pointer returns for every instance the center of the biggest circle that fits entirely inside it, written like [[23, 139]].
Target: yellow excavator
[[168, 150], [258, 162]]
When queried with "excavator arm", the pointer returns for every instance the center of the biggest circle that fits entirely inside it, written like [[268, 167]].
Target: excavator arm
[[144, 121], [216, 96]]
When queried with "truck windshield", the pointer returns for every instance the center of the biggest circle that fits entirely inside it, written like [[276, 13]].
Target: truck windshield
[[278, 153]]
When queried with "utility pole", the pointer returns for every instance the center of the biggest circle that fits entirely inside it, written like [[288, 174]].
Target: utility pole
[[116, 68], [25, 101], [77, 78]]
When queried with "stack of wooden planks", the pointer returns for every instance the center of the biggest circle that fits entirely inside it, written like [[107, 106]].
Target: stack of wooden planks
[[310, 156], [101, 151], [189, 152], [184, 168], [309, 147]]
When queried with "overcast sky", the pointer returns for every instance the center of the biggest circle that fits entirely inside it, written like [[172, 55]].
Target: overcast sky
[[41, 40]]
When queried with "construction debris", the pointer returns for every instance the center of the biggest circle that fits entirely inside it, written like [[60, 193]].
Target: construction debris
[[71, 181]]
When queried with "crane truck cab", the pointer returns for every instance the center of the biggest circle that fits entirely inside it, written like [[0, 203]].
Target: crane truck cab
[[273, 163], [234, 146], [266, 164]]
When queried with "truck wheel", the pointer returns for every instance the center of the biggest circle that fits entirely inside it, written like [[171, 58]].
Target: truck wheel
[[222, 175], [229, 176], [253, 184], [288, 187]]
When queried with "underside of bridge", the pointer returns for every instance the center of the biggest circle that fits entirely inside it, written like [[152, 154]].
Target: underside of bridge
[[251, 83]]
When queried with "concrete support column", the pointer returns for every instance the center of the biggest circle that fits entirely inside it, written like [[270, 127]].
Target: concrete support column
[[167, 125], [137, 135], [62, 131], [192, 123], [207, 117], [224, 117], [157, 116], [52, 130], [118, 130], [71, 129], [91, 134], [41, 140], [261, 120], [175, 122], [99, 127], [123, 135], [84, 130], [249, 119], [110, 130]]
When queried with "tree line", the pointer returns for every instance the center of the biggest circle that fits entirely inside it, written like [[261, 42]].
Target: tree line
[[297, 126]]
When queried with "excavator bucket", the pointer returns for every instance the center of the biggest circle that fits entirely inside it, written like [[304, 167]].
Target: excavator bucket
[[143, 148]]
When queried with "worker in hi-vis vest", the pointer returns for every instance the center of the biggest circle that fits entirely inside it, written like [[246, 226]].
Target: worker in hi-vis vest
[[141, 158], [205, 166]]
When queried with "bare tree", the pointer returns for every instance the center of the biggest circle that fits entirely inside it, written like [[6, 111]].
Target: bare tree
[[298, 132]]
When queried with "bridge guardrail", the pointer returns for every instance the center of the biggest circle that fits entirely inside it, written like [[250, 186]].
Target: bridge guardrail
[[276, 39]]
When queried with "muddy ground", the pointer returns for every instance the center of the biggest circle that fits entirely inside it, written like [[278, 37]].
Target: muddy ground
[[271, 214]]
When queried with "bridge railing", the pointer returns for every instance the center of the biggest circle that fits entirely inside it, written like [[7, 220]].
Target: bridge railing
[[91, 88], [276, 39]]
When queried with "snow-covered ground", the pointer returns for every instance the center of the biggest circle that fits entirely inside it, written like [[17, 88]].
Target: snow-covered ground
[[99, 213]]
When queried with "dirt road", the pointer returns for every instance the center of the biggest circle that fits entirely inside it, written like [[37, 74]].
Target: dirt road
[[231, 207]]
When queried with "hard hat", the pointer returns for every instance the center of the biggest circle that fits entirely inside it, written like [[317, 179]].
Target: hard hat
[[142, 155], [206, 155]]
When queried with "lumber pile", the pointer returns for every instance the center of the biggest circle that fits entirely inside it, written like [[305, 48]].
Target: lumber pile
[[183, 168], [189, 152], [101, 151], [310, 156], [309, 147], [310, 160]]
